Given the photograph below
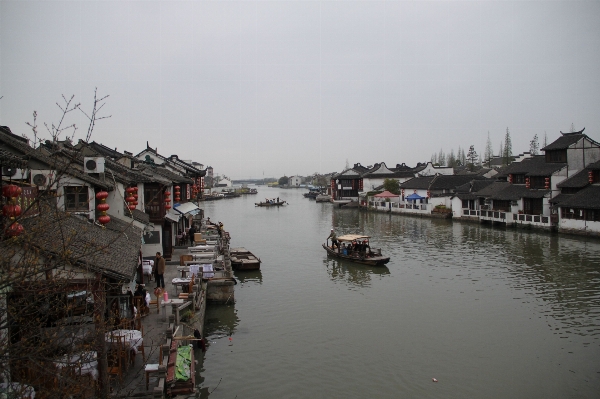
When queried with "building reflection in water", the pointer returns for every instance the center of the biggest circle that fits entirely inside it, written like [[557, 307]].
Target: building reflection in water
[[249, 276], [353, 274]]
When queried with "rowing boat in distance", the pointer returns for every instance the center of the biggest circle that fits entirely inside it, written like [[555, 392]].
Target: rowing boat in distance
[[274, 203], [359, 253]]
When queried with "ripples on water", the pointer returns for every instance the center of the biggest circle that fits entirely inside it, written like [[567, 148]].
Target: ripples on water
[[491, 312]]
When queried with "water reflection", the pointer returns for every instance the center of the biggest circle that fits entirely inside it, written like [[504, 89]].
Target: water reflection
[[353, 274], [220, 322], [249, 276]]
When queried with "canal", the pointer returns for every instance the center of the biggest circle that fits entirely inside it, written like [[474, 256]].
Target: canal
[[488, 312]]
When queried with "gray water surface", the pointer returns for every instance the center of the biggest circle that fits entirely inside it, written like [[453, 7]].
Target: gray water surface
[[488, 312]]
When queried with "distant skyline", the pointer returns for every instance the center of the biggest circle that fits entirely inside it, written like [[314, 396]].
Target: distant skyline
[[298, 87]]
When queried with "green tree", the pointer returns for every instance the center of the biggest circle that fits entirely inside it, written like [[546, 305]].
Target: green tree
[[489, 152], [391, 185], [451, 159], [534, 145], [283, 180], [507, 155], [472, 157]]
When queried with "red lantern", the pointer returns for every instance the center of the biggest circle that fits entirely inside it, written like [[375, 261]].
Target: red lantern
[[135, 196], [130, 199], [177, 188], [103, 207], [167, 193], [591, 177], [11, 211], [15, 229], [177, 199], [11, 191], [167, 207], [131, 207], [134, 203], [130, 190], [167, 200]]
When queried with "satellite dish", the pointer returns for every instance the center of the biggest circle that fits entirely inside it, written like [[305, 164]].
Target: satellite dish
[[39, 179], [90, 164], [9, 171]]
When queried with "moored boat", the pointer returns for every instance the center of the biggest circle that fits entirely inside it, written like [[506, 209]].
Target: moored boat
[[361, 253], [242, 259], [323, 198]]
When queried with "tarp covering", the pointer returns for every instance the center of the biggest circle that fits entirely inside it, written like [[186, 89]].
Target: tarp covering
[[173, 216], [414, 197], [187, 208], [183, 363], [352, 237], [386, 194]]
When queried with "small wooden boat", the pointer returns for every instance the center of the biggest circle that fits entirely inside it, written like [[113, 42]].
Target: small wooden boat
[[275, 203], [242, 259], [366, 256]]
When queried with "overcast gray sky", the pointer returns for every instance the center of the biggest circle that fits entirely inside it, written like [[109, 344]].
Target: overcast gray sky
[[296, 87]]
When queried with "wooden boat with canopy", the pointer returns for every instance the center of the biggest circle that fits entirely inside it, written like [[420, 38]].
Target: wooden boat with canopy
[[355, 247], [273, 203]]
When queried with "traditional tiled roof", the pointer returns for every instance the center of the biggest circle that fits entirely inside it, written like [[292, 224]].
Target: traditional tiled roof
[[565, 141], [515, 192], [492, 189], [450, 182], [140, 216], [105, 151], [468, 190], [588, 198], [381, 171], [11, 143], [165, 173], [417, 183], [349, 174], [578, 180], [12, 160], [534, 166], [560, 198], [112, 251], [190, 169]]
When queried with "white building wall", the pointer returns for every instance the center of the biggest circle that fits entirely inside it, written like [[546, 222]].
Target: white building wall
[[579, 226]]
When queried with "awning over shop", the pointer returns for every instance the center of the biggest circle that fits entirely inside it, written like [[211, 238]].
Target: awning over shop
[[415, 197], [172, 216], [187, 208]]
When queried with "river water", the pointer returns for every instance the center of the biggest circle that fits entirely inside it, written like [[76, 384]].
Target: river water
[[488, 312]]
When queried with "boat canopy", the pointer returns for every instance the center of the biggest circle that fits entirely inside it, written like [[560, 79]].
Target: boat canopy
[[352, 237]]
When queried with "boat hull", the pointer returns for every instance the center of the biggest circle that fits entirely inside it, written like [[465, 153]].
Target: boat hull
[[280, 203], [371, 261], [242, 259]]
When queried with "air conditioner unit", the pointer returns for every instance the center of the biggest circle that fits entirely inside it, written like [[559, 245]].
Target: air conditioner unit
[[42, 178], [14, 173], [93, 164]]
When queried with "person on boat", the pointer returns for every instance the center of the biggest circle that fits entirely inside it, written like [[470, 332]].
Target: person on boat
[[334, 241], [277, 199]]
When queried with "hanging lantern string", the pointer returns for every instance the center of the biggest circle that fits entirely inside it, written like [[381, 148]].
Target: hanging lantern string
[[12, 210], [123, 198]]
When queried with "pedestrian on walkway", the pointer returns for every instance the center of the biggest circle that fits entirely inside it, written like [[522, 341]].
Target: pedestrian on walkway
[[192, 232], [159, 271]]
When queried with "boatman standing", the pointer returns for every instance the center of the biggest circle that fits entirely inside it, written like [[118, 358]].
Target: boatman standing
[[334, 241]]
